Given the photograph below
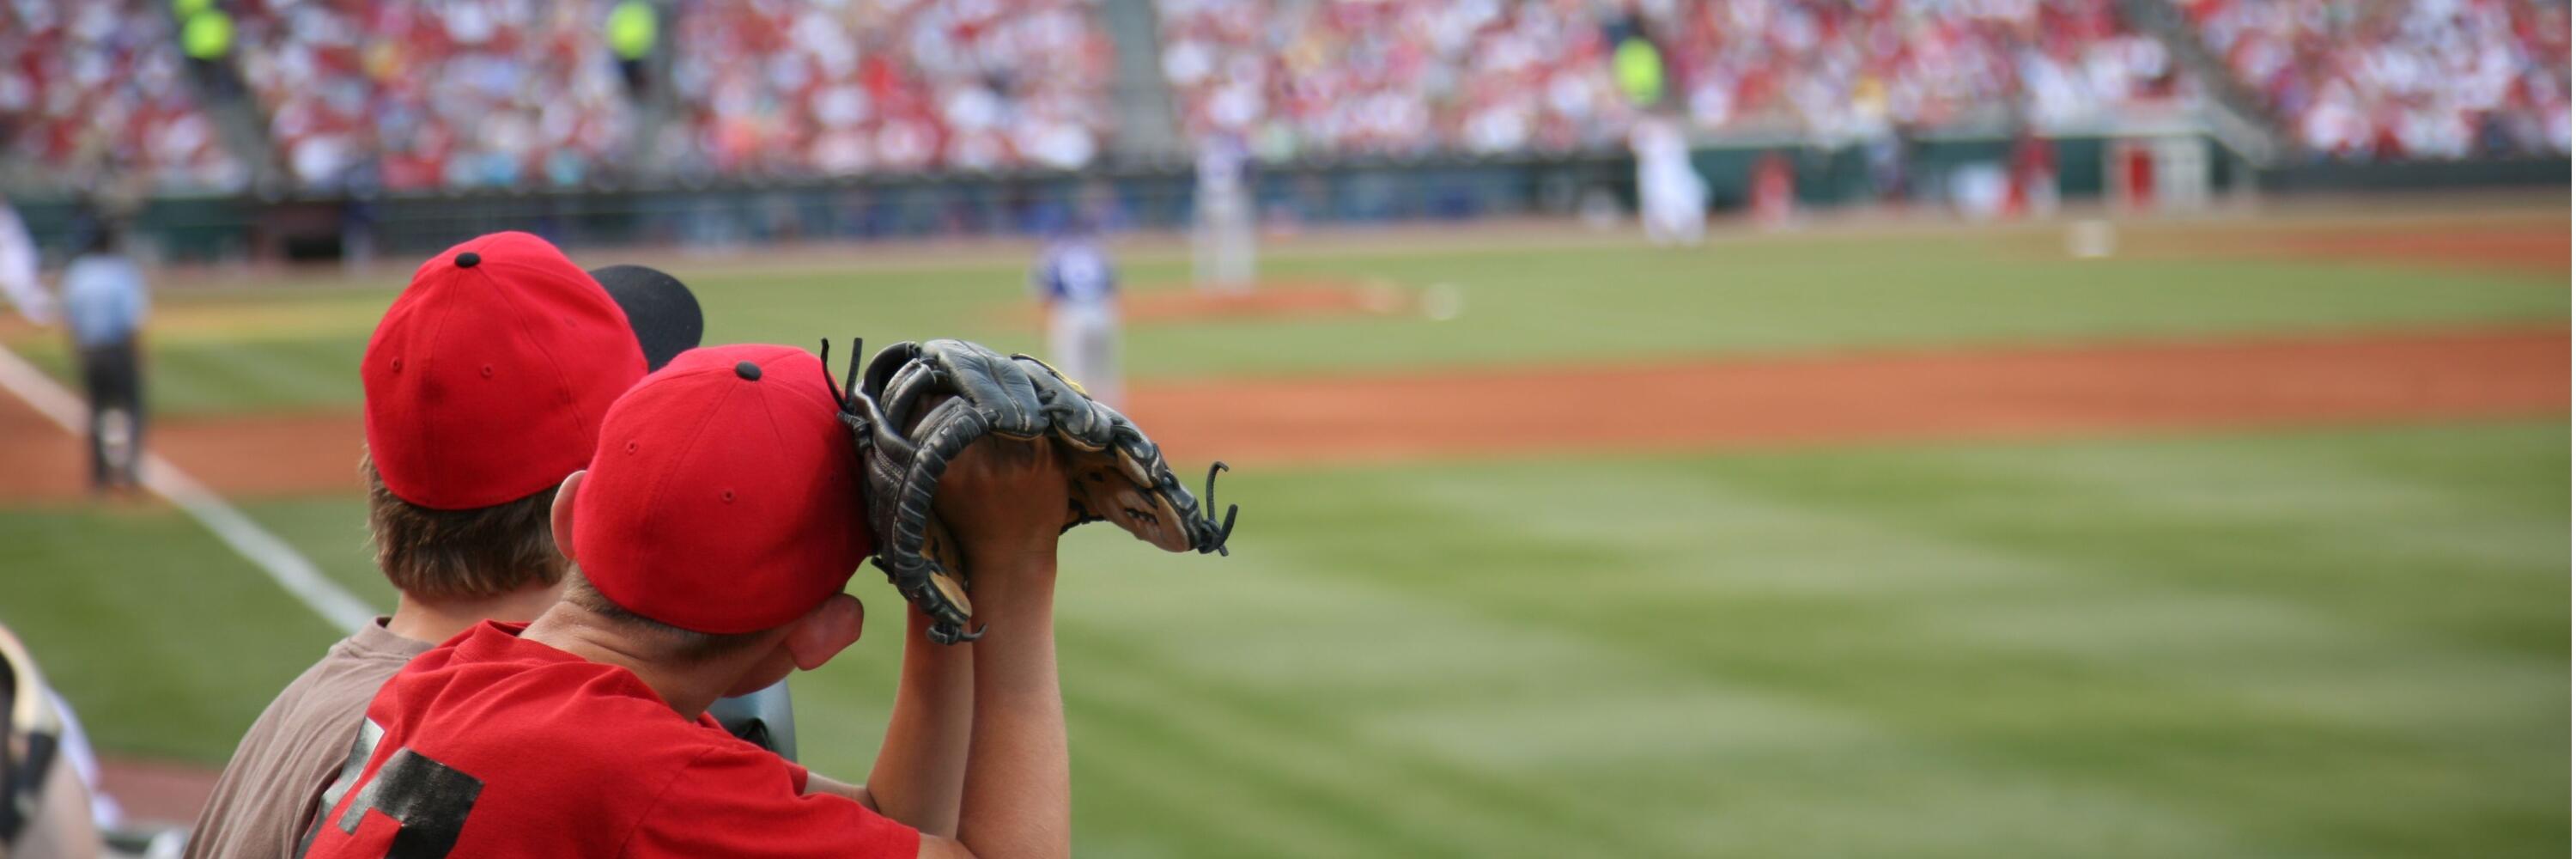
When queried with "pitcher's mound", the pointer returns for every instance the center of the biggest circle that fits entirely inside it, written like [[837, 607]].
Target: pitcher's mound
[[1271, 300]]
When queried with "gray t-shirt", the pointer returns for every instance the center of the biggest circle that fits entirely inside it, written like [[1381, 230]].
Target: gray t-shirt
[[268, 793]]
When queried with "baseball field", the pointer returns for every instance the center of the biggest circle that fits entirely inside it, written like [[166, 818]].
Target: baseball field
[[1881, 539]]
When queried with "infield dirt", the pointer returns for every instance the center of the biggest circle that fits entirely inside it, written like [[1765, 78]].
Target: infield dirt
[[1683, 405]]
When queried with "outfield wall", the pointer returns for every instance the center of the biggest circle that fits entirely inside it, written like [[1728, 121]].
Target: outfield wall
[[1146, 196]]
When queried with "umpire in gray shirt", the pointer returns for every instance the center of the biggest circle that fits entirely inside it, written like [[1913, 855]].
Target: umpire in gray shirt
[[104, 305]]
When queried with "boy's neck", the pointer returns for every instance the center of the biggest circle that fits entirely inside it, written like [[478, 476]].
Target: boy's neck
[[436, 620], [688, 689]]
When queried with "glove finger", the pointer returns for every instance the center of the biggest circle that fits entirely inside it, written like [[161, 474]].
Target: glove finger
[[888, 361], [996, 386], [1109, 496], [952, 426], [938, 544], [1078, 420], [869, 426], [910, 393]]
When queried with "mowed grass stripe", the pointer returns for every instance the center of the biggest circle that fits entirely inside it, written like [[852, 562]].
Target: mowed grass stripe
[[1562, 715], [1990, 696], [2348, 528], [1868, 746], [1419, 803], [1598, 745], [1282, 806]]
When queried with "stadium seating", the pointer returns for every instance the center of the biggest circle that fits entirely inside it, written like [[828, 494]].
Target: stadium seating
[[791, 88], [526, 95], [1394, 78], [464, 94], [97, 92], [2420, 79], [1833, 68], [1410, 76]]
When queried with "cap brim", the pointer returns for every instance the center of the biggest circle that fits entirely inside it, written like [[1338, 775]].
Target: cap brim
[[661, 310]]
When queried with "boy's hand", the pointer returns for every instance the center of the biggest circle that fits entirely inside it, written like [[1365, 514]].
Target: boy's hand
[[925, 405], [1003, 499]]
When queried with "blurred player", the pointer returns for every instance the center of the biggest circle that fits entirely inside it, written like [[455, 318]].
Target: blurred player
[[1671, 197], [18, 269], [714, 533], [1221, 247], [1773, 186], [2033, 172], [105, 303], [485, 385], [1079, 286]]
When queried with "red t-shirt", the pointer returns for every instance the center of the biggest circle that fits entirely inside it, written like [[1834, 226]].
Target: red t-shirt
[[494, 746]]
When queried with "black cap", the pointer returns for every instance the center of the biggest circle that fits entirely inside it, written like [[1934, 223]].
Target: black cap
[[661, 310]]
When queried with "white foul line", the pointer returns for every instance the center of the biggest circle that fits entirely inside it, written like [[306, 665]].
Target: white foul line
[[283, 564]]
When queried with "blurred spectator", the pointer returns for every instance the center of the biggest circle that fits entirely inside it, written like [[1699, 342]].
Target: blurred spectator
[[95, 92], [772, 87], [1640, 68], [461, 94], [2402, 78], [634, 29], [206, 36]]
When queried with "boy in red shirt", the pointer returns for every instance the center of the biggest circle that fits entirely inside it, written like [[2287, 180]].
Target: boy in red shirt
[[485, 385], [713, 533]]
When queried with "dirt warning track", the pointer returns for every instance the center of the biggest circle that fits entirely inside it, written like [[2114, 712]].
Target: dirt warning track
[[1692, 404]]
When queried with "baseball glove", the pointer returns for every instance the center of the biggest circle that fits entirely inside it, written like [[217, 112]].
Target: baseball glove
[[922, 404]]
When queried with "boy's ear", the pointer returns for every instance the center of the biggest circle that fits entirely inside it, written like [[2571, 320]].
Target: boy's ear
[[825, 630], [560, 517]]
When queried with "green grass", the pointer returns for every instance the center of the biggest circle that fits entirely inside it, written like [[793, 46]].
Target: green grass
[[256, 350], [2347, 643], [166, 643]]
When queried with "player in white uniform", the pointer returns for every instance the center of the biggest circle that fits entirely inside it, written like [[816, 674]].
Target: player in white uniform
[[18, 269], [1670, 195], [1221, 253], [1075, 279]]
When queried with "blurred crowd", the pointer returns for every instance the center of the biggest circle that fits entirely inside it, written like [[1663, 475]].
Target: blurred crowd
[[468, 94], [458, 94], [1393, 78], [2402, 78], [99, 88], [831, 88], [550, 93], [1836, 69], [1411, 76]]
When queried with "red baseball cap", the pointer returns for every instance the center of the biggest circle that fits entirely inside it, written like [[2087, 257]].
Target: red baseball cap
[[725, 494], [487, 379]]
